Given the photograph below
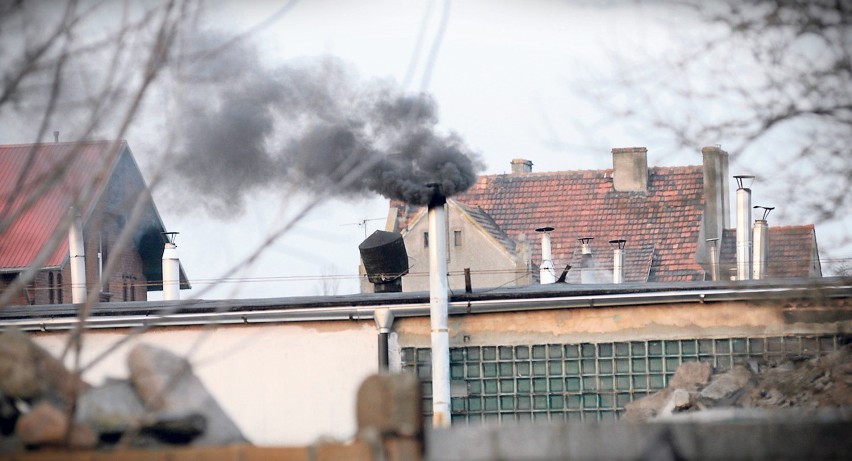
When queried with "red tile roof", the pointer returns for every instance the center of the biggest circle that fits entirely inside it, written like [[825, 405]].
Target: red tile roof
[[791, 252], [38, 184], [661, 226]]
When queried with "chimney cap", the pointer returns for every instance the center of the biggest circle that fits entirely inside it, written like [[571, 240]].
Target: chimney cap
[[618, 243], [170, 236], [766, 210], [585, 240], [744, 181], [544, 229]]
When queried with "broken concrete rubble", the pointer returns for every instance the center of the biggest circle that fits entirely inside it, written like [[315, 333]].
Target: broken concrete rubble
[[165, 383], [823, 381], [163, 403], [27, 371]]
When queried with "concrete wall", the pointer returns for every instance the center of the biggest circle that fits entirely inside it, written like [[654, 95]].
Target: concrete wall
[[283, 384], [602, 324], [490, 264]]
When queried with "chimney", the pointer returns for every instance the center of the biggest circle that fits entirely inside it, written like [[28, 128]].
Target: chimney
[[438, 308], [587, 267], [716, 192], [618, 260], [714, 259], [546, 271], [520, 165], [385, 260], [171, 269], [744, 226], [384, 321], [761, 241], [77, 253], [630, 169]]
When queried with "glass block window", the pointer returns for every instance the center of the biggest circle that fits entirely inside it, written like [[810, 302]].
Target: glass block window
[[587, 381]]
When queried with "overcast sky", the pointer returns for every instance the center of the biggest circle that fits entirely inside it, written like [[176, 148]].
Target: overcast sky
[[512, 78], [504, 75]]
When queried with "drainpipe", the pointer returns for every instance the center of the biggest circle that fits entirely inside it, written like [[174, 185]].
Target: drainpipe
[[761, 237], [384, 321], [618, 260], [438, 309], [546, 272], [744, 226], [77, 252], [714, 259], [171, 269]]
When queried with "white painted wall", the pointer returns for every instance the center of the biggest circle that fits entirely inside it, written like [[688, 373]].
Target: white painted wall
[[286, 384]]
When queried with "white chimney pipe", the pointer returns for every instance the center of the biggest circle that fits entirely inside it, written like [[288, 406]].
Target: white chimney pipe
[[714, 259], [586, 245], [77, 252], [546, 272], [761, 238], [171, 269], [438, 311], [744, 227], [618, 260]]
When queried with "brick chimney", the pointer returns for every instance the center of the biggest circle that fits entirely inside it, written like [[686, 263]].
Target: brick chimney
[[630, 169], [717, 204], [520, 165]]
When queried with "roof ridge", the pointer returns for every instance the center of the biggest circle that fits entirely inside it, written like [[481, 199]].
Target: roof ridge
[[52, 143], [598, 170]]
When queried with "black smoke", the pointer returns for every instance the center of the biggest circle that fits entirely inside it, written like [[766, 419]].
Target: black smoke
[[312, 124]]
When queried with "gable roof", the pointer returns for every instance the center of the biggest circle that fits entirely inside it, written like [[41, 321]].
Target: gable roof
[[484, 221], [791, 251], [39, 183], [661, 225]]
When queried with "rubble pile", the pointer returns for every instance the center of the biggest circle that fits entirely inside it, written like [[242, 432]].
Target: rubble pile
[[807, 382], [161, 403]]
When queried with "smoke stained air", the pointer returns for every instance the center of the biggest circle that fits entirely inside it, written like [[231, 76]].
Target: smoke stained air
[[311, 124]]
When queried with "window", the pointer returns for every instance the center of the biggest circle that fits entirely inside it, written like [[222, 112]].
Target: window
[[50, 283], [585, 381], [425, 240], [457, 238], [54, 288]]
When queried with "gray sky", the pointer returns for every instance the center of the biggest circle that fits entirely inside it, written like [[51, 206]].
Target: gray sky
[[503, 77], [513, 79]]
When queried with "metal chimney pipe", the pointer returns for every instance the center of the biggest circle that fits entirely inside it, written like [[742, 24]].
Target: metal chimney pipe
[[171, 269], [714, 259], [384, 321], [618, 260], [744, 226], [546, 271], [761, 238], [438, 309], [77, 252], [586, 245]]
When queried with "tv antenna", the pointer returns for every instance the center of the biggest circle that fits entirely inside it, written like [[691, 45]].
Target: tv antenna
[[363, 224]]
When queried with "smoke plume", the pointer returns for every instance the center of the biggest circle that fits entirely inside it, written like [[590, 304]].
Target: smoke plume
[[311, 124]]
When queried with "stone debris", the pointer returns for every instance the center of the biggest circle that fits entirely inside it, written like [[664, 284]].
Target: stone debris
[[46, 425], [27, 371], [162, 403], [166, 384], [823, 381]]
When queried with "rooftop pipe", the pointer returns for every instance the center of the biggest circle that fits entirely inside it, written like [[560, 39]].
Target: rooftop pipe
[[438, 309], [761, 238], [77, 252], [744, 226], [546, 271], [171, 268], [618, 260]]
